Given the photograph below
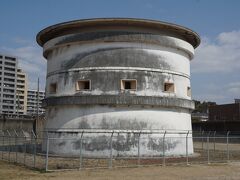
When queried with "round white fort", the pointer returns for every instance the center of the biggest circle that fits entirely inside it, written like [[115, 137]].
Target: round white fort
[[118, 75]]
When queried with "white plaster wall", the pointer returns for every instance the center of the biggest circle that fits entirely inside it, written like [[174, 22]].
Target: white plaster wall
[[163, 40], [69, 118], [173, 56], [178, 59], [156, 118]]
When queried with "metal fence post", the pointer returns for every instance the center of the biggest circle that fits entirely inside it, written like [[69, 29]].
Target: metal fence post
[[187, 148], [164, 148], [25, 148], [139, 148], [9, 145], [214, 143], [228, 146], [80, 153], [35, 149], [202, 139], [47, 149], [110, 158], [16, 145], [3, 144], [208, 149]]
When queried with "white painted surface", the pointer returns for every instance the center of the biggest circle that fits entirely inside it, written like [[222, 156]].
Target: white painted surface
[[173, 56], [156, 118], [70, 117]]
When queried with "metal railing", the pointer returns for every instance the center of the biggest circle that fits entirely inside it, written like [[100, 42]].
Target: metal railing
[[48, 151]]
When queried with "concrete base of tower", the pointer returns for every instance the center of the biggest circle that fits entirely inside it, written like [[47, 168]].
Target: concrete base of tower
[[127, 130]]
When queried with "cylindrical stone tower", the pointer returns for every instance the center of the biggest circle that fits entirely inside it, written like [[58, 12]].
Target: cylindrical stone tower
[[118, 74]]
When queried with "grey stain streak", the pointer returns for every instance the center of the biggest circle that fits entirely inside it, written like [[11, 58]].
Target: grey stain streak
[[84, 125], [107, 35], [97, 143], [104, 124], [123, 124], [160, 145], [126, 142], [117, 57], [62, 143], [102, 142], [72, 63], [117, 100], [134, 125]]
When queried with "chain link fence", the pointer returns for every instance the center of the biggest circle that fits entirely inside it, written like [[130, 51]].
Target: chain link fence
[[34, 150]]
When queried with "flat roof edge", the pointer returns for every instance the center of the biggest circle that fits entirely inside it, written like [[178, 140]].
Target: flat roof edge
[[58, 29]]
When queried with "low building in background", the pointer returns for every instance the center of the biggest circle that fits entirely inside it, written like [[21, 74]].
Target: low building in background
[[34, 102], [221, 118], [237, 100], [225, 112]]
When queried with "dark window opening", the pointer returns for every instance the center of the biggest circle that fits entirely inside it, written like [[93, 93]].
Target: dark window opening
[[53, 88], [168, 87], [128, 84], [83, 85], [10, 58]]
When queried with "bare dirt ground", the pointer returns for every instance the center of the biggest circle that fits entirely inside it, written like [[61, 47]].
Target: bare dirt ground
[[193, 172]]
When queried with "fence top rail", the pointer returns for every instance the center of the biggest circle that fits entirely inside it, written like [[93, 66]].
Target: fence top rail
[[155, 131]]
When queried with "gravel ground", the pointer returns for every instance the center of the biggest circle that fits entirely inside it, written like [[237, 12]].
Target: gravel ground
[[229, 171]]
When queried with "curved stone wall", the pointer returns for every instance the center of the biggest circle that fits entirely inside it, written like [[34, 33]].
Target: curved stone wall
[[136, 72]]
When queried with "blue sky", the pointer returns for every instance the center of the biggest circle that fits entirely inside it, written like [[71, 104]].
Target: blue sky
[[215, 69]]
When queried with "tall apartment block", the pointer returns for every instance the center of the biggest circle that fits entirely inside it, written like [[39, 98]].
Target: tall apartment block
[[21, 92], [34, 102], [13, 86], [8, 78]]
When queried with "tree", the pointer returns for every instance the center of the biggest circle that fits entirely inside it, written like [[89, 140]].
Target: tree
[[202, 107]]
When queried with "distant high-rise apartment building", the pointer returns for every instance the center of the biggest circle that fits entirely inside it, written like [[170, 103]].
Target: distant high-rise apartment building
[[13, 86], [34, 102], [21, 92], [8, 79]]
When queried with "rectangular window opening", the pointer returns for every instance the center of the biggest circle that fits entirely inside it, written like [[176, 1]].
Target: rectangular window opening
[[53, 88], [10, 58], [83, 85], [129, 84], [169, 87]]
